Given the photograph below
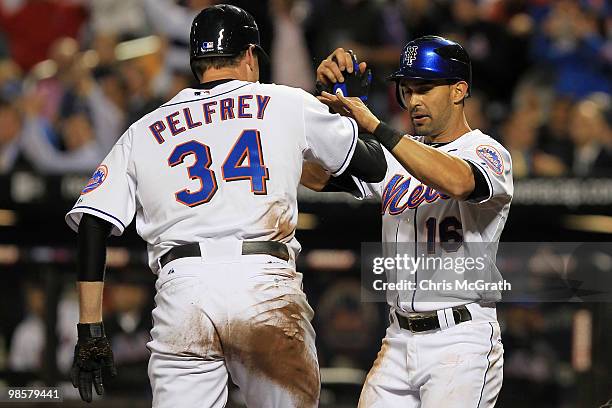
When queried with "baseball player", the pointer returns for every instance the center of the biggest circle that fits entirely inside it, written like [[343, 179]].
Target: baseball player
[[445, 187], [212, 178]]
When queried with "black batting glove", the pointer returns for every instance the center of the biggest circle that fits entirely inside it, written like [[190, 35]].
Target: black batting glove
[[91, 353], [355, 84]]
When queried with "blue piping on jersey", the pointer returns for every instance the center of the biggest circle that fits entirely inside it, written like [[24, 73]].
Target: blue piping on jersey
[[350, 148], [102, 212], [488, 366]]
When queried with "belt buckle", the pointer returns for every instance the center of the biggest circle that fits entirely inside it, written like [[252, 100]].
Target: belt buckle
[[410, 327], [412, 323]]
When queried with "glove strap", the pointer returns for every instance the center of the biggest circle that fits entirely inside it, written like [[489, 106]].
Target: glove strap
[[90, 330]]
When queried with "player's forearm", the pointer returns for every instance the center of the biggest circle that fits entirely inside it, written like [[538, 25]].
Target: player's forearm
[[314, 176], [447, 174], [439, 170], [90, 301], [91, 260]]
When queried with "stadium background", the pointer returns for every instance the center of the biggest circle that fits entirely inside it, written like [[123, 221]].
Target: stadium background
[[75, 73]]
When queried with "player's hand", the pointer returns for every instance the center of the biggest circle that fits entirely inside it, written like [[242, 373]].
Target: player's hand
[[351, 107], [331, 68], [91, 353]]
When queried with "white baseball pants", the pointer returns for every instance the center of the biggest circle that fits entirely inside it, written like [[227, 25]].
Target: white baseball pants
[[458, 367], [242, 314]]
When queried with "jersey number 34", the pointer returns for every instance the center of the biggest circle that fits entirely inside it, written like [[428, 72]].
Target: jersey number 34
[[246, 148]]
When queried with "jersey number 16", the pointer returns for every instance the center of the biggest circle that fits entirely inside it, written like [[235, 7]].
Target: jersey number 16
[[246, 148], [449, 232]]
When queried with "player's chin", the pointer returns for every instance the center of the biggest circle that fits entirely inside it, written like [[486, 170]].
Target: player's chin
[[422, 126], [421, 129]]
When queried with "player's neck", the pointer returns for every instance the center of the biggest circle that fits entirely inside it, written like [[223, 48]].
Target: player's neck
[[455, 129], [213, 74]]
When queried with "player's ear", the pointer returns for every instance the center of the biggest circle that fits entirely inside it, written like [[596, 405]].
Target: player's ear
[[252, 64], [459, 91], [251, 57]]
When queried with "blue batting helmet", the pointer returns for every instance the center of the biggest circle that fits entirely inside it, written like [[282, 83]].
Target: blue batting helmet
[[432, 58]]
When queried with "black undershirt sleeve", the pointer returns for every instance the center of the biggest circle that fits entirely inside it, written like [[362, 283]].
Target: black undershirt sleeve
[[368, 164], [481, 187], [343, 182], [91, 248]]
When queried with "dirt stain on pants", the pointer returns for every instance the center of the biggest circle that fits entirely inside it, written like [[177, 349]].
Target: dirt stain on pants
[[278, 343]]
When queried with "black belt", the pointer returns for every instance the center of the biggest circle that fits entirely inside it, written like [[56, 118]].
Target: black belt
[[429, 320], [274, 248]]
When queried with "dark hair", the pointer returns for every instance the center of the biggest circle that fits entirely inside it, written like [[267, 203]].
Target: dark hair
[[201, 65]]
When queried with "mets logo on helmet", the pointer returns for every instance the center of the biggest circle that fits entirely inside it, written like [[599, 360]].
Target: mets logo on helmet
[[410, 54], [96, 180], [492, 158]]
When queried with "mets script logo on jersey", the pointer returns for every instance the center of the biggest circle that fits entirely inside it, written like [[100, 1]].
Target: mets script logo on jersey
[[492, 158], [410, 54], [397, 188], [96, 180]]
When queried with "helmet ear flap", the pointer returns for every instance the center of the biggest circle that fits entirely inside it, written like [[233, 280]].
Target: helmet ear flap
[[399, 95]]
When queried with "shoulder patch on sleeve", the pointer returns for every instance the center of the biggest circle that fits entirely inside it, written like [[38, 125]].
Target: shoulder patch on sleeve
[[492, 158], [96, 180]]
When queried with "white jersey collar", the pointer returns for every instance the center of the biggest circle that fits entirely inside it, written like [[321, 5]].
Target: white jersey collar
[[194, 94], [473, 132]]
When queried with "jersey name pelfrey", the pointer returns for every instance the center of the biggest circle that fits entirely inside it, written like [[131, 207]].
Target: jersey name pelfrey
[[397, 188], [222, 163], [236, 107]]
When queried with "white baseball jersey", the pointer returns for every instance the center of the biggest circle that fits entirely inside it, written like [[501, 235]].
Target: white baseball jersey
[[216, 163], [416, 214]]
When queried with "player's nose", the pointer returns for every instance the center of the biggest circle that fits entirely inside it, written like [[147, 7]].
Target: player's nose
[[414, 102]]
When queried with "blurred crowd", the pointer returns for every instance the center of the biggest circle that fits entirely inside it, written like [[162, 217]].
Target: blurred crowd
[[74, 74], [24, 335]]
